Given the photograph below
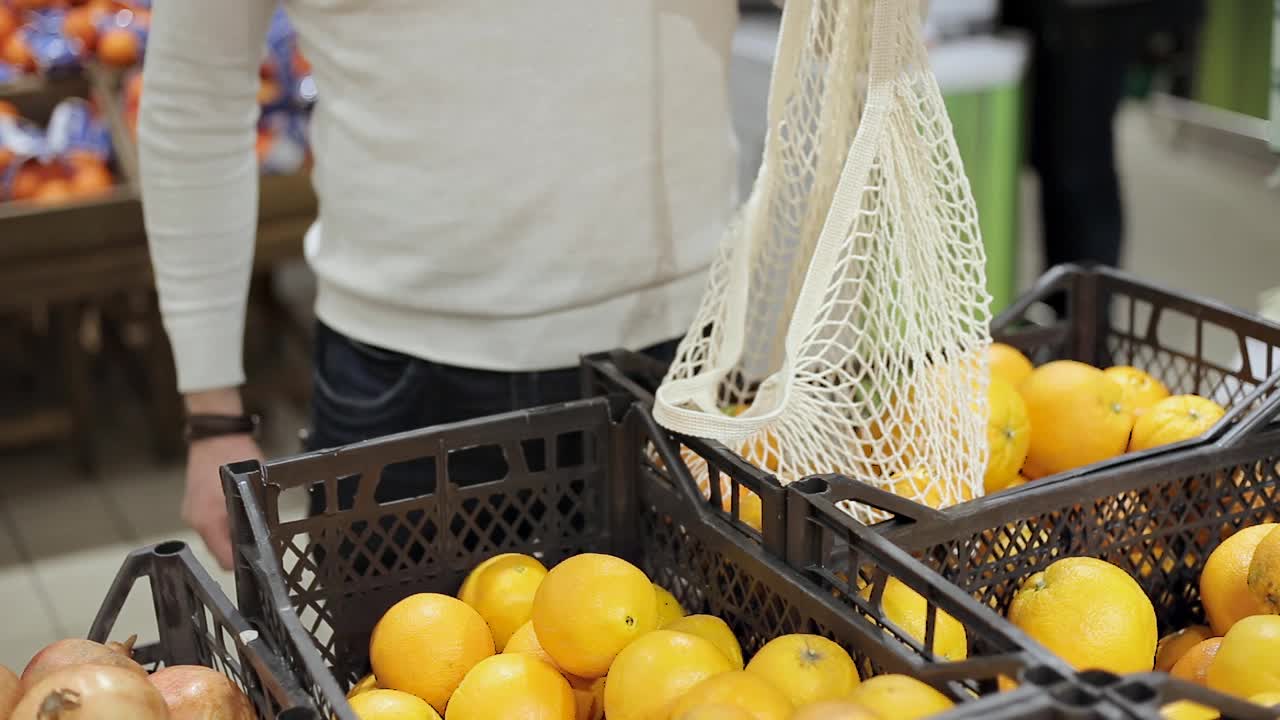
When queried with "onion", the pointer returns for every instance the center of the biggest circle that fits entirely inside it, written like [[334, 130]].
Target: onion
[[92, 692], [75, 651], [9, 691], [193, 692]]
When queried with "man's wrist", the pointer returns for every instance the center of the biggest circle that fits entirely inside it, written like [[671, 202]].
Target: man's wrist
[[221, 401]]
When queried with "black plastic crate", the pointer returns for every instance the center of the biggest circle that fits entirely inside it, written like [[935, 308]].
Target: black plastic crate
[[1099, 316], [1104, 317], [318, 584], [197, 625], [1158, 519]]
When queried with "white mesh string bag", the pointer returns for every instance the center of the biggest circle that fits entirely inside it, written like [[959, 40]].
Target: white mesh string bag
[[845, 321]]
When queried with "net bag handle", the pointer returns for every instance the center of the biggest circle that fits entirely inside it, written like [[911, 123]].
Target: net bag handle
[[886, 60]]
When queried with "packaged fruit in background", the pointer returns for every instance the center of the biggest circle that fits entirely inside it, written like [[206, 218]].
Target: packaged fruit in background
[[282, 142], [21, 143], [286, 74], [52, 51], [122, 35], [67, 160], [76, 130]]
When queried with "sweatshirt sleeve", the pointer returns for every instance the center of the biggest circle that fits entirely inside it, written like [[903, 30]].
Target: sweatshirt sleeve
[[196, 139]]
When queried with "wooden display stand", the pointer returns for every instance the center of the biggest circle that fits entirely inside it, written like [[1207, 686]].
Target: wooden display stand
[[83, 272]]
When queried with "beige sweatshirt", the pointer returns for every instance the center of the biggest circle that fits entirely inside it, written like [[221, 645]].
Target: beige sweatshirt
[[503, 185]]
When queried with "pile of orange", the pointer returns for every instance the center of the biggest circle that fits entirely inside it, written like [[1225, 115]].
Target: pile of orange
[[110, 31], [77, 176], [1041, 421], [1096, 616], [595, 638], [1066, 414]]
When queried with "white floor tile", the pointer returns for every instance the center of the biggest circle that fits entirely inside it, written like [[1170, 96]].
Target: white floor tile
[[64, 514], [77, 582], [27, 623]]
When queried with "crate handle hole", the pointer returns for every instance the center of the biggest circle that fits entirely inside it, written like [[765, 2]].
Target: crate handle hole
[[1137, 692], [170, 547], [1042, 676], [297, 713], [1076, 696], [1098, 678], [812, 486]]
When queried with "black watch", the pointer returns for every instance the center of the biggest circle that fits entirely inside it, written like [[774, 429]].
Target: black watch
[[202, 427]]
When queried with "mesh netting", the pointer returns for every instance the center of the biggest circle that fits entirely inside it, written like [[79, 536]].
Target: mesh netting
[[844, 324]]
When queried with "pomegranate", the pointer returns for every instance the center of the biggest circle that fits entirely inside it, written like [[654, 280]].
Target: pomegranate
[[193, 692], [92, 692], [9, 691], [74, 651]]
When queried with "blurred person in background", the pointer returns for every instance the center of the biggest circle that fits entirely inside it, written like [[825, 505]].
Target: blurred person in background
[[1083, 50], [502, 187]]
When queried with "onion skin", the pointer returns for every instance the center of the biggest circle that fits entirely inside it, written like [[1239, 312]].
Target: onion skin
[[10, 691], [92, 692], [75, 651], [193, 692]]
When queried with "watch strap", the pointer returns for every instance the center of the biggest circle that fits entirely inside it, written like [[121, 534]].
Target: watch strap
[[204, 426]]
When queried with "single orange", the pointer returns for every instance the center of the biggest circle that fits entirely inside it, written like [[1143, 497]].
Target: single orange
[[17, 53], [1174, 419], [54, 191], [1224, 581], [1194, 665], [27, 181], [426, 643], [119, 47], [525, 640], [1078, 414], [512, 686], [79, 24], [1141, 390], [590, 607], [1008, 363], [8, 21], [91, 179], [1264, 572], [501, 589], [740, 689], [1008, 436], [900, 697], [1246, 662], [651, 674], [1091, 613], [1173, 646]]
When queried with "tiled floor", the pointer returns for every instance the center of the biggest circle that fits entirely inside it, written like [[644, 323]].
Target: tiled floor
[[64, 536], [1198, 220]]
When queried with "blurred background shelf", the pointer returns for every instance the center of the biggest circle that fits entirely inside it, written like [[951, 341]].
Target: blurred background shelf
[[84, 266]]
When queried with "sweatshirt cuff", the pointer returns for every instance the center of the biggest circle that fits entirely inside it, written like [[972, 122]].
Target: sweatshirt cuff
[[208, 351]]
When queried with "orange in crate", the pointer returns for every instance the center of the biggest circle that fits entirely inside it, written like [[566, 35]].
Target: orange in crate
[[8, 22], [27, 182], [119, 47], [79, 24], [54, 191], [91, 179], [17, 53]]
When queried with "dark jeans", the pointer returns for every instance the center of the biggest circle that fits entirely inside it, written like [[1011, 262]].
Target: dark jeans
[[363, 392]]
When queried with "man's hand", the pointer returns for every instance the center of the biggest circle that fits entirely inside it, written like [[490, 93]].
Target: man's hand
[[203, 507]]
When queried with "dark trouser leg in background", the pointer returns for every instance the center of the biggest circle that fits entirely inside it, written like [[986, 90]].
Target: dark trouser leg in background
[[1077, 89]]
